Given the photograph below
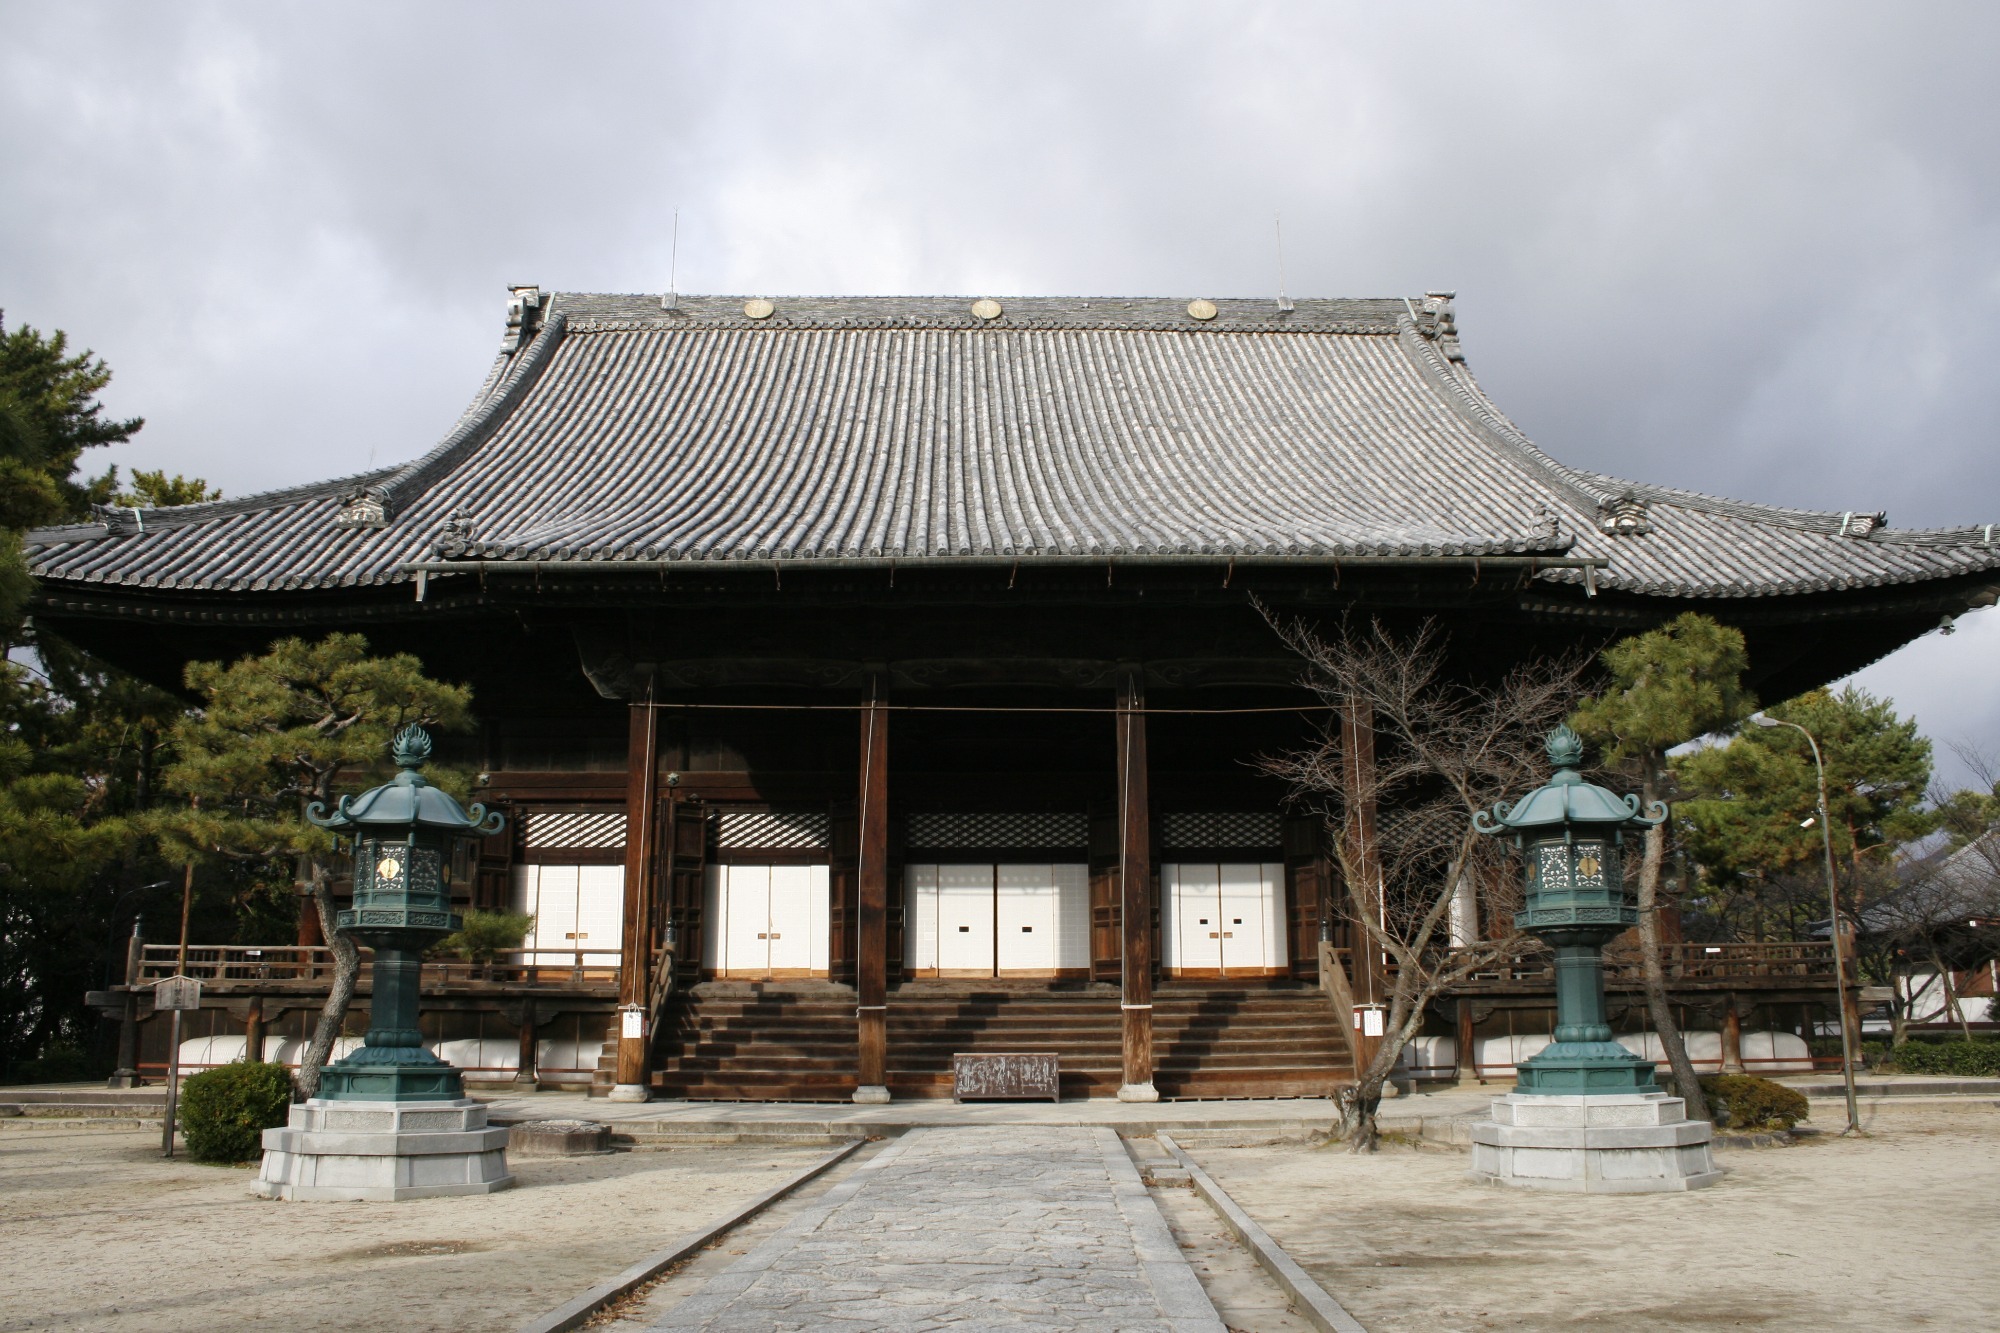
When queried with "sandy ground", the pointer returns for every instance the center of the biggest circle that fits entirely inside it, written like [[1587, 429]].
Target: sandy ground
[[1896, 1230], [99, 1232]]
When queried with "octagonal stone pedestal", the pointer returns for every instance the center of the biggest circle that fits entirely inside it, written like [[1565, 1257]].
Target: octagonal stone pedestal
[[1616, 1143], [384, 1151]]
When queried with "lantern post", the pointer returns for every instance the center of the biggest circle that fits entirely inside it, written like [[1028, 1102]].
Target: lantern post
[[1585, 1113], [392, 1120]]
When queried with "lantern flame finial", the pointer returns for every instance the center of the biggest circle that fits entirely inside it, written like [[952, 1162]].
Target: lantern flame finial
[[412, 747], [1565, 748]]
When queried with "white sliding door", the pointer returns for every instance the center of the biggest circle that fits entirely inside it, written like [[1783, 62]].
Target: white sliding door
[[767, 921], [1072, 918], [1195, 933], [600, 914], [1223, 918], [920, 919], [798, 921], [983, 920], [1025, 918], [965, 920], [576, 910]]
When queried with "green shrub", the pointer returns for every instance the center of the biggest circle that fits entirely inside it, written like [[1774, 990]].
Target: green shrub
[[1966, 1059], [225, 1111], [483, 934], [1744, 1101]]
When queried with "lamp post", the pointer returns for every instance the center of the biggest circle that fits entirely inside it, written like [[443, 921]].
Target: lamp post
[[1585, 1113], [1571, 834], [1847, 1038], [411, 844], [392, 1121]]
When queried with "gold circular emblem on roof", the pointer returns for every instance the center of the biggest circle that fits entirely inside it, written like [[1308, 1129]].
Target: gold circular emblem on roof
[[1200, 309], [758, 308], [986, 308]]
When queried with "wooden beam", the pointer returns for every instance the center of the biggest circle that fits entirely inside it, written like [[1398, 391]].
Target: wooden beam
[[871, 945], [1135, 893], [635, 963]]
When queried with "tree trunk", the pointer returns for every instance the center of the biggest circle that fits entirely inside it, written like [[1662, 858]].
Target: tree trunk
[[1952, 1009], [1899, 1010], [1358, 1104], [1657, 1005], [346, 973]]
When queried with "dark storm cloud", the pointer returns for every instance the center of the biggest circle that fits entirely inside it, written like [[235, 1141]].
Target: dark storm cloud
[[1749, 249]]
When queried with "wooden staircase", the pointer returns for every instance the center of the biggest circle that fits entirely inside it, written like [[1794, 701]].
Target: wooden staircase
[[760, 1041], [778, 1041]]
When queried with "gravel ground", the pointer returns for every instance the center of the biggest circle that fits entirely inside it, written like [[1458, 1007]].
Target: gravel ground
[[100, 1232], [1895, 1230]]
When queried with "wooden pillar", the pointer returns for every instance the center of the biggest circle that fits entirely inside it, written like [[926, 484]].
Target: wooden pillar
[[634, 1079], [126, 1075], [1468, 1046], [1357, 758], [871, 915], [1135, 894], [524, 1068], [1732, 1038]]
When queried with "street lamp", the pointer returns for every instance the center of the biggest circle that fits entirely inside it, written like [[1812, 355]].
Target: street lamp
[[1847, 1037]]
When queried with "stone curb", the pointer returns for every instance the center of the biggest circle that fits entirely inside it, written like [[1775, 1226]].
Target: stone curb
[[1311, 1300], [573, 1313], [1168, 1272]]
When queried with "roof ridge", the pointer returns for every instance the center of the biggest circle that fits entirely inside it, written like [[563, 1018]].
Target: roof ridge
[[1488, 422], [1830, 521], [390, 497], [129, 520]]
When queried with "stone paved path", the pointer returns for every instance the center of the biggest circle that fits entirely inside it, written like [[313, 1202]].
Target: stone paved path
[[967, 1229]]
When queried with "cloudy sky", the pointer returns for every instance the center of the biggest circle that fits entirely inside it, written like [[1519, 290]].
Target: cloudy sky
[[1748, 248]]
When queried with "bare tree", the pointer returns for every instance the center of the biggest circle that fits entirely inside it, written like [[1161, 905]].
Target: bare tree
[[1445, 750]]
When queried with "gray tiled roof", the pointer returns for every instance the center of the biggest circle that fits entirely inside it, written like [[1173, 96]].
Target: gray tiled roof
[[909, 428]]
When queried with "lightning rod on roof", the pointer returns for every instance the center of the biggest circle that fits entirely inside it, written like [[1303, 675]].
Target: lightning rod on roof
[[1284, 301], [672, 299]]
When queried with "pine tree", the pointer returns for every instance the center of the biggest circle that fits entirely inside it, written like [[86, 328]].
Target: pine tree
[[1668, 686], [271, 737]]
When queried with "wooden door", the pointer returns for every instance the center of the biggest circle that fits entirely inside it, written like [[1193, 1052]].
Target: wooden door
[[965, 921]]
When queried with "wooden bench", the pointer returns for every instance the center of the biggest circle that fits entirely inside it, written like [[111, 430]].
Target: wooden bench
[[1004, 1076]]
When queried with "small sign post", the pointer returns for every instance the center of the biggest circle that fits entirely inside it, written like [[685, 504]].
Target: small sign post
[[174, 995]]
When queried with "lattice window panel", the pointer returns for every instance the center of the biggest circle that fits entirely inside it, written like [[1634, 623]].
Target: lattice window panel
[[555, 829], [1220, 829], [771, 830], [1006, 830]]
